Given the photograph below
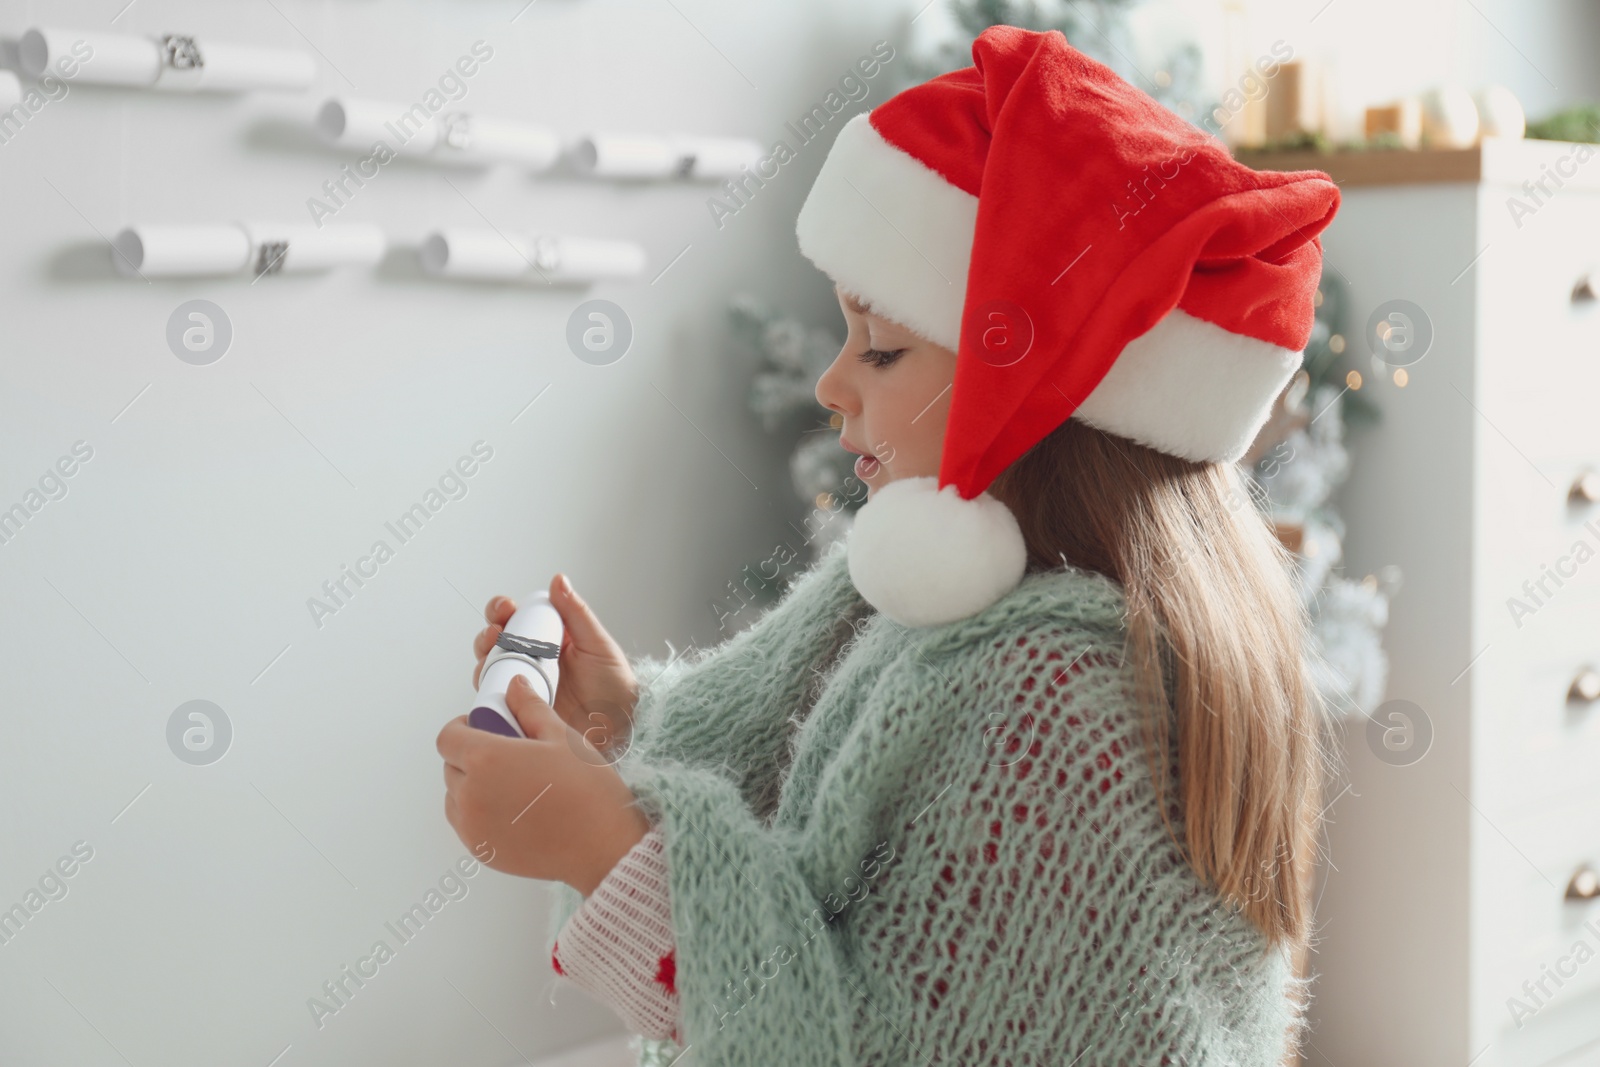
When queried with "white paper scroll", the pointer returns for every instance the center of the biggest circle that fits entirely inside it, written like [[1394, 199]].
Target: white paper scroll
[[450, 136], [621, 155], [484, 254], [296, 248], [171, 61], [10, 90], [357, 124], [158, 251], [490, 140], [237, 248]]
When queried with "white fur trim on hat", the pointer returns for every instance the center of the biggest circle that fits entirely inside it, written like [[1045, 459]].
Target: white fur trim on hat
[[1190, 388], [890, 231], [923, 556]]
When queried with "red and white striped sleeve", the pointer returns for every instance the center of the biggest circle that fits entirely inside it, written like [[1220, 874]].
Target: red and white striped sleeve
[[618, 944]]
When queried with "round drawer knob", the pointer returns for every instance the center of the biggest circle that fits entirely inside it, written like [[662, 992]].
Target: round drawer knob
[[1586, 288], [1585, 488], [1586, 686], [1585, 884]]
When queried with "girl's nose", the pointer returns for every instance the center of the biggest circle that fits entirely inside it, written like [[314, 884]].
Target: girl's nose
[[833, 389]]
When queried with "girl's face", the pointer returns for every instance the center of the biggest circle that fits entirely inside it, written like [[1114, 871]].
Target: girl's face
[[892, 389]]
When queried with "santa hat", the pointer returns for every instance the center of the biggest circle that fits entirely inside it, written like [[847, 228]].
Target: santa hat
[[1086, 253]]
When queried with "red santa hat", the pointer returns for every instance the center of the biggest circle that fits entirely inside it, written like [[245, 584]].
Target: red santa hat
[[1087, 254]]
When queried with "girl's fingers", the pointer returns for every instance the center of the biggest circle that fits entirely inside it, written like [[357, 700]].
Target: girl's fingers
[[579, 622], [452, 736], [499, 610], [480, 648], [537, 719], [485, 640]]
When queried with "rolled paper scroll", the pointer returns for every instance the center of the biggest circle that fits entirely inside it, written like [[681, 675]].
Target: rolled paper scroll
[[358, 124], [476, 252], [168, 251], [238, 67], [113, 58], [618, 155], [277, 248], [716, 157], [170, 61], [612, 155], [234, 248], [480, 139], [450, 136], [566, 259], [530, 645], [471, 252]]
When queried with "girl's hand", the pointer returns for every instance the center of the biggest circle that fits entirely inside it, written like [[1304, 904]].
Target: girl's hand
[[539, 807], [597, 690]]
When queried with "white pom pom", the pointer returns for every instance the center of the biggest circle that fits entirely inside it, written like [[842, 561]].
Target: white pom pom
[[924, 556]]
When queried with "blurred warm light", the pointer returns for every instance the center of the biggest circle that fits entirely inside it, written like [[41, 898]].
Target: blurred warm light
[[1163, 79], [1353, 379], [825, 501], [1336, 342], [1401, 377], [836, 420], [1317, 300]]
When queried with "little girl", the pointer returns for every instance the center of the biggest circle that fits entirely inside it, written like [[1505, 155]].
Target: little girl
[[1027, 770]]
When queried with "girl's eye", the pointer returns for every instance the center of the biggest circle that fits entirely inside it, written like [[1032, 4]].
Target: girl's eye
[[878, 358]]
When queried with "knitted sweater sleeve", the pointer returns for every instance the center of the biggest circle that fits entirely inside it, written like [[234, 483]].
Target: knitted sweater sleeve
[[775, 666], [656, 677], [780, 651]]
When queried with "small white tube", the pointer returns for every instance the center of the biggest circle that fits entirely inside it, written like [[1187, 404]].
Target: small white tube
[[358, 124], [537, 622], [570, 259], [617, 155], [115, 59], [295, 248], [611, 155], [715, 157], [174, 62], [239, 67], [166, 251], [478, 139], [10, 90], [476, 252]]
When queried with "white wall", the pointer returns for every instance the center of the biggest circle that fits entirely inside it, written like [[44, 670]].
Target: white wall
[[179, 563]]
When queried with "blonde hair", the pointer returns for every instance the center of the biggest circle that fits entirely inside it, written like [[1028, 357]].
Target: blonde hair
[[1216, 634]]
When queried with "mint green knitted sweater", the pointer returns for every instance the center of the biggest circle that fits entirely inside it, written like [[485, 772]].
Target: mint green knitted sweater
[[913, 846]]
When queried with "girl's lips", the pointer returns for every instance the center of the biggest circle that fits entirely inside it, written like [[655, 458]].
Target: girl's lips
[[866, 467]]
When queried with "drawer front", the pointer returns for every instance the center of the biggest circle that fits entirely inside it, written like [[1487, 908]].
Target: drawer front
[[1538, 557], [1540, 734], [1538, 287], [1541, 958]]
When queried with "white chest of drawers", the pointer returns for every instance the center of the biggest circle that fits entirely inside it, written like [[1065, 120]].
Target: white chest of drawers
[[1446, 896]]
